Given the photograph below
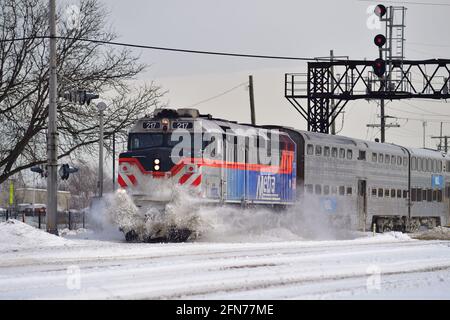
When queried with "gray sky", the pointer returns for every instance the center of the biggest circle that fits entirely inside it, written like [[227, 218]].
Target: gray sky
[[284, 27]]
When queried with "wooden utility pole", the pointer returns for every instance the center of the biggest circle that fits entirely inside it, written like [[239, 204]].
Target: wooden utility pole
[[252, 99], [445, 149]]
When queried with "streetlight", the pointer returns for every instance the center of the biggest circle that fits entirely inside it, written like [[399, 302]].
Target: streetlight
[[101, 106]]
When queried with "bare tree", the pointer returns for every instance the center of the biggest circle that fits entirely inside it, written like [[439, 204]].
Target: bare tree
[[81, 64], [83, 184]]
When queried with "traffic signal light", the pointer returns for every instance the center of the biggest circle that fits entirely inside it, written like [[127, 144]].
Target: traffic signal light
[[80, 96], [379, 67], [379, 40], [66, 170], [380, 10], [40, 170]]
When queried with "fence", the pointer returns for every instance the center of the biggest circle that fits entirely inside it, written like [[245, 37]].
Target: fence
[[65, 219]]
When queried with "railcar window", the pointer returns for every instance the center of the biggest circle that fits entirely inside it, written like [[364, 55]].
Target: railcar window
[[429, 165], [380, 193], [439, 196], [374, 192], [349, 190], [419, 194], [310, 149], [342, 153], [424, 195], [405, 162], [386, 192], [419, 164], [341, 190], [318, 150], [380, 158], [362, 155], [434, 195], [399, 193], [414, 194], [393, 160], [439, 166], [392, 193], [333, 190], [349, 154], [434, 166], [374, 157], [334, 152], [318, 189], [429, 195], [405, 194], [326, 190], [326, 151], [309, 188], [413, 163], [399, 160], [387, 159]]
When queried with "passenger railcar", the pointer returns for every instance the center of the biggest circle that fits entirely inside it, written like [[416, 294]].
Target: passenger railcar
[[367, 183]]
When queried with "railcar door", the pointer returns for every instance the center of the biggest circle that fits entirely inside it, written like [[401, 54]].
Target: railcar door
[[362, 204], [446, 196], [235, 170]]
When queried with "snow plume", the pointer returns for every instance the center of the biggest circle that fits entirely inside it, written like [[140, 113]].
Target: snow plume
[[212, 222], [304, 220], [109, 213], [118, 211]]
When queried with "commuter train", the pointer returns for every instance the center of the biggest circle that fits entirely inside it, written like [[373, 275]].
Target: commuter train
[[366, 184]]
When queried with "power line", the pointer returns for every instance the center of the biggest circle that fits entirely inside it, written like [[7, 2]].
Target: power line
[[218, 95], [140, 46], [423, 110], [428, 44], [413, 3]]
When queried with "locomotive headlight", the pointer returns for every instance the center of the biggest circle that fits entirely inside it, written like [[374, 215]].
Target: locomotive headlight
[[165, 121], [156, 161], [156, 167]]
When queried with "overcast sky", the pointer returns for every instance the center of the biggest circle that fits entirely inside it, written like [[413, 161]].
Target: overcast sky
[[283, 27]]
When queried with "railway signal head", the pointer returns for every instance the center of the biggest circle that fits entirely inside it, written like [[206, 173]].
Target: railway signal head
[[80, 96], [379, 40], [40, 170], [379, 67], [66, 170], [380, 10]]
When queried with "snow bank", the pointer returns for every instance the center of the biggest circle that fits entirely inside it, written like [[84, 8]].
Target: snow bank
[[14, 233], [437, 233]]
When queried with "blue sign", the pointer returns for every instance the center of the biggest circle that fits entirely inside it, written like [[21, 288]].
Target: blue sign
[[437, 181], [328, 204]]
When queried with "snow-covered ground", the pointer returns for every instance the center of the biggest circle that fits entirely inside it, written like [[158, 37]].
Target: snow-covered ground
[[85, 265]]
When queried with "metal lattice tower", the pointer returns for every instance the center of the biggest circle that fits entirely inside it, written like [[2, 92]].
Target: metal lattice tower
[[395, 44]]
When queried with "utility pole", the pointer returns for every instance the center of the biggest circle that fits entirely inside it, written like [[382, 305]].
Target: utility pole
[[333, 125], [52, 142], [252, 99], [424, 124], [383, 124], [383, 121], [101, 106], [445, 142], [114, 161]]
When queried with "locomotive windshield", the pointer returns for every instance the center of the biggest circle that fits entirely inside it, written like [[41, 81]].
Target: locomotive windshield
[[145, 140]]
